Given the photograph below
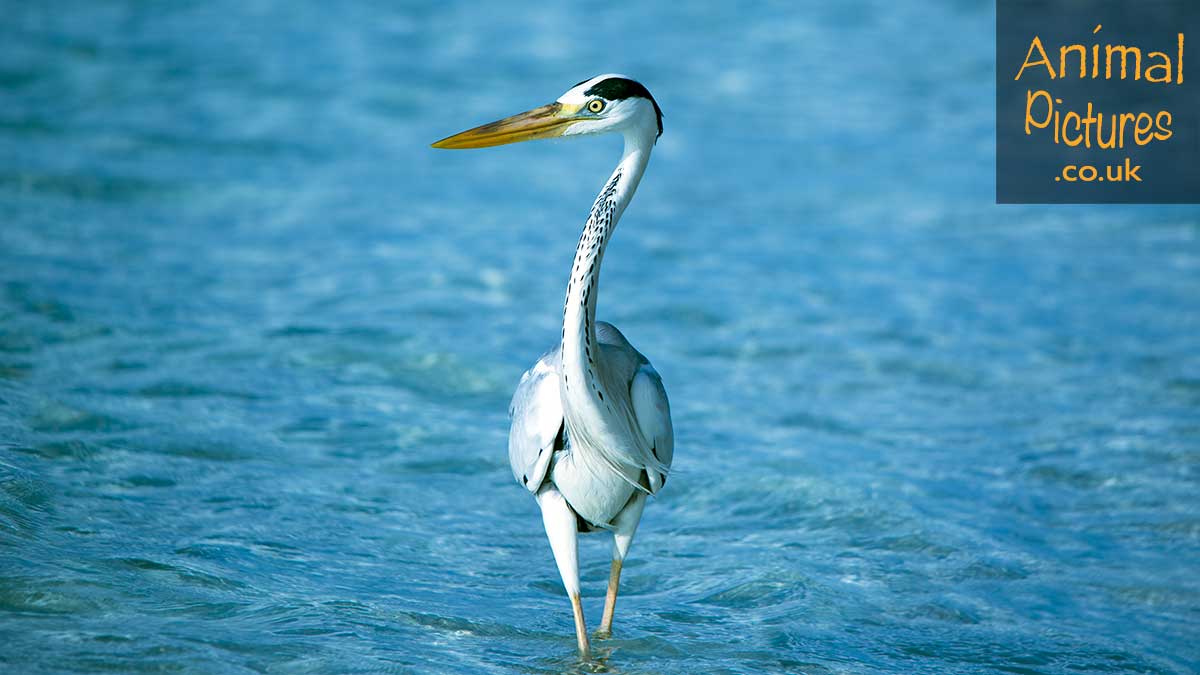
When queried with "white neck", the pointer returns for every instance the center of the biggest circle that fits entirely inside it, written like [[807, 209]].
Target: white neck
[[582, 383]]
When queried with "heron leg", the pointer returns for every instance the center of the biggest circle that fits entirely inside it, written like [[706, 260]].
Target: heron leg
[[610, 600], [624, 527], [560, 522]]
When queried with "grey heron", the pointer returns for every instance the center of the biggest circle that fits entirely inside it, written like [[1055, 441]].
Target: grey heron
[[591, 432]]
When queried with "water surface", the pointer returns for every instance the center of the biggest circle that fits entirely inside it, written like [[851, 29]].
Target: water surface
[[257, 342]]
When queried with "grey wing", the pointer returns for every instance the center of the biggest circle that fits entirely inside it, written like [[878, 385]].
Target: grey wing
[[653, 412], [537, 420]]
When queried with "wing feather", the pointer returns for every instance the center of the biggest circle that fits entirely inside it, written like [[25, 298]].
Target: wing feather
[[537, 419], [653, 413]]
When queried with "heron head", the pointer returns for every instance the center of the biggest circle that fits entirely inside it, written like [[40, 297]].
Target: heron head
[[602, 104]]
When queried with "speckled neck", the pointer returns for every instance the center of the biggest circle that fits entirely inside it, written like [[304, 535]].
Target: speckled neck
[[579, 348]]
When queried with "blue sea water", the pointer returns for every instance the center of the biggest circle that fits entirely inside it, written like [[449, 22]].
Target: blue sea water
[[257, 342]]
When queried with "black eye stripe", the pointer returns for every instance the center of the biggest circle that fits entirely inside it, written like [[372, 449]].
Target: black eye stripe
[[620, 88]]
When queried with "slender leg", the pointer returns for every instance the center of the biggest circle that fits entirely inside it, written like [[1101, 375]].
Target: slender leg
[[559, 520], [580, 627], [610, 600], [624, 527]]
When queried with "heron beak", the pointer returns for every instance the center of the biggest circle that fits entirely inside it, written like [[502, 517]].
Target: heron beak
[[547, 121]]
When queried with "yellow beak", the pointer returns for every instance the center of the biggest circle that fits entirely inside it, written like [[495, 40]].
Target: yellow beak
[[547, 121]]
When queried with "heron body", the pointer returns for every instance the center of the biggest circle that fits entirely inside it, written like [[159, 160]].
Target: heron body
[[591, 431]]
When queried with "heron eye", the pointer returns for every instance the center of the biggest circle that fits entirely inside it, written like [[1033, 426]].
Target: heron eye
[[595, 105]]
